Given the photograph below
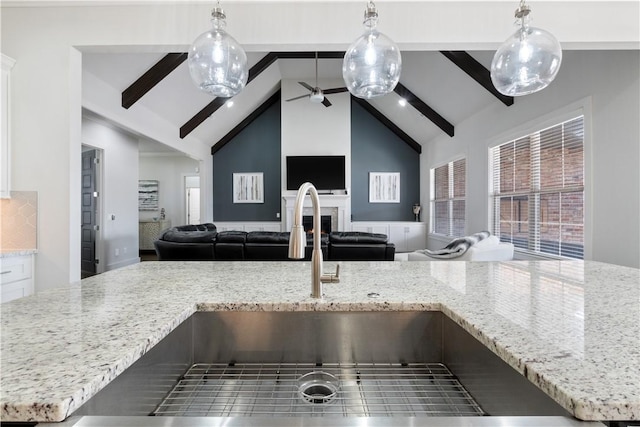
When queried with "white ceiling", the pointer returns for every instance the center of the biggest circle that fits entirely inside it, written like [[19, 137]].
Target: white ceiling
[[429, 75], [420, 27]]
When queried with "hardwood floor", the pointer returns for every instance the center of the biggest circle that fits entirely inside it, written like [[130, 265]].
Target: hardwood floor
[[148, 256]]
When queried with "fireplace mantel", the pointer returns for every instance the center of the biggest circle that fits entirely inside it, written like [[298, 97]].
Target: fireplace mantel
[[336, 205]]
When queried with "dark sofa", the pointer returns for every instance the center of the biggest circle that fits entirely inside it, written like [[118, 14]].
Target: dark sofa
[[186, 243], [204, 243], [360, 246]]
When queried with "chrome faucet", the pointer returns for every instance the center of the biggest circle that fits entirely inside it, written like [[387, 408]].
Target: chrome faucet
[[298, 240]]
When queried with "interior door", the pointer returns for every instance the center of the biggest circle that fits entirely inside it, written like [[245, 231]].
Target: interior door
[[192, 193], [89, 196]]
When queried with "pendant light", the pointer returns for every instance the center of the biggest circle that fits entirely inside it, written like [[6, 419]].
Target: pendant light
[[217, 63], [528, 61], [372, 64]]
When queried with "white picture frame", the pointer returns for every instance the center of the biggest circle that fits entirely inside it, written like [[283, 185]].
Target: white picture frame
[[248, 187], [384, 187]]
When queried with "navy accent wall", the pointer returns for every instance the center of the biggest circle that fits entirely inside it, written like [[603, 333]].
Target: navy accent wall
[[255, 149], [375, 148]]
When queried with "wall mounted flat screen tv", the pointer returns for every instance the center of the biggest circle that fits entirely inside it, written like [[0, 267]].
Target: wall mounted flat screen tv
[[324, 172]]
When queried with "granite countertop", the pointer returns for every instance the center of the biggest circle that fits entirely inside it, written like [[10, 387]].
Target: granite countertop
[[6, 253], [572, 327]]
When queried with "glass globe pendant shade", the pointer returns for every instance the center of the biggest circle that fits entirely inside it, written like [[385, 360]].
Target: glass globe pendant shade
[[371, 66], [217, 63], [527, 62]]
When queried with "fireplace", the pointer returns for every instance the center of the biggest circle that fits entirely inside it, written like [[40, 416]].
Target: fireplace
[[335, 206], [325, 223]]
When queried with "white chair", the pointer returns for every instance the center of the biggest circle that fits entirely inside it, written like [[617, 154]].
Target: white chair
[[489, 249]]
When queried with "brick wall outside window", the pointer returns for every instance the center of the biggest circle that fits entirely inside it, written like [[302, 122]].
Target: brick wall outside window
[[537, 193]]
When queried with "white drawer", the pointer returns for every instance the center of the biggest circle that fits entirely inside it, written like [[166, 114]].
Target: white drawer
[[15, 290], [16, 268]]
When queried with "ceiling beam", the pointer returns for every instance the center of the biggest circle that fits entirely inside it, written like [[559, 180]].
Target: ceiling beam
[[152, 77], [311, 55], [213, 106], [243, 124], [254, 72], [476, 71], [201, 116], [424, 109], [388, 123], [271, 57]]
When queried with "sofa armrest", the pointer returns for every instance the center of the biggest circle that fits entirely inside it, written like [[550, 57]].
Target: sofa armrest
[[499, 252]]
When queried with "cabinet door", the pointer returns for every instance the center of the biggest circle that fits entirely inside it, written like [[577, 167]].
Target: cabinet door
[[16, 277], [371, 228], [408, 237], [14, 290]]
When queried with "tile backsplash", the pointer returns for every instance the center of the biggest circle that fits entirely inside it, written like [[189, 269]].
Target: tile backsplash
[[19, 221]]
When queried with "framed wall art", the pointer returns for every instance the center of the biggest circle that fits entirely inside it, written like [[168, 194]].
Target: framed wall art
[[384, 187], [148, 195], [248, 187]]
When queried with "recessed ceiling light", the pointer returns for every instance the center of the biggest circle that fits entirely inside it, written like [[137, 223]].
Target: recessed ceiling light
[[402, 102], [229, 104]]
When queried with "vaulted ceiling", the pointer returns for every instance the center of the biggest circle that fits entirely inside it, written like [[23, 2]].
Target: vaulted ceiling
[[442, 90]]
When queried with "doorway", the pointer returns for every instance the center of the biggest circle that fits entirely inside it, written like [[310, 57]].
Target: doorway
[[91, 207], [192, 199]]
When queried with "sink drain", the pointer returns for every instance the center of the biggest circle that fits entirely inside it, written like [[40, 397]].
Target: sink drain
[[318, 387]]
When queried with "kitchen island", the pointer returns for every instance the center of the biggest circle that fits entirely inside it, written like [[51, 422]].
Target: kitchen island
[[571, 327]]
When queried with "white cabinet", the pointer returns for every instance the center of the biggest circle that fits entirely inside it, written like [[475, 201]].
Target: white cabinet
[[407, 236], [248, 226], [371, 227], [5, 144], [16, 277]]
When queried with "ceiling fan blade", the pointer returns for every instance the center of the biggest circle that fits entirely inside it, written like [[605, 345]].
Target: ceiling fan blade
[[298, 97], [326, 102], [335, 90], [306, 86]]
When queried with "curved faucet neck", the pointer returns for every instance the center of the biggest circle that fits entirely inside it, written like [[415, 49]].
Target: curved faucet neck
[[305, 188], [298, 240]]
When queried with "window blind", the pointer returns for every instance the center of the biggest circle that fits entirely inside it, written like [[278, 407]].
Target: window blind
[[537, 190], [448, 189]]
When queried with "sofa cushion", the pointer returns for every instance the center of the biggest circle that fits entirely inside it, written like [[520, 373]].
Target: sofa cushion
[[357, 252], [231, 236], [174, 251], [488, 241], [275, 237], [177, 236], [343, 237], [196, 227]]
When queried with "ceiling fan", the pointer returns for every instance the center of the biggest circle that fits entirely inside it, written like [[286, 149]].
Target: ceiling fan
[[317, 95]]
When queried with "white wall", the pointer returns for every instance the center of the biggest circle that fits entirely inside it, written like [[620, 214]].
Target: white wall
[[169, 170], [310, 129], [119, 192], [46, 80], [611, 103]]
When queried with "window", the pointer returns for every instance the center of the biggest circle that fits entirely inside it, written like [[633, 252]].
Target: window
[[537, 190], [448, 186]]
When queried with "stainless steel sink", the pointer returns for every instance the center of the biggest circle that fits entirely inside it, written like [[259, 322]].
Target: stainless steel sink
[[299, 368]]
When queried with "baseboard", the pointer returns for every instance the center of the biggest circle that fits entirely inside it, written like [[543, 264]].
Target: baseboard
[[123, 263]]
